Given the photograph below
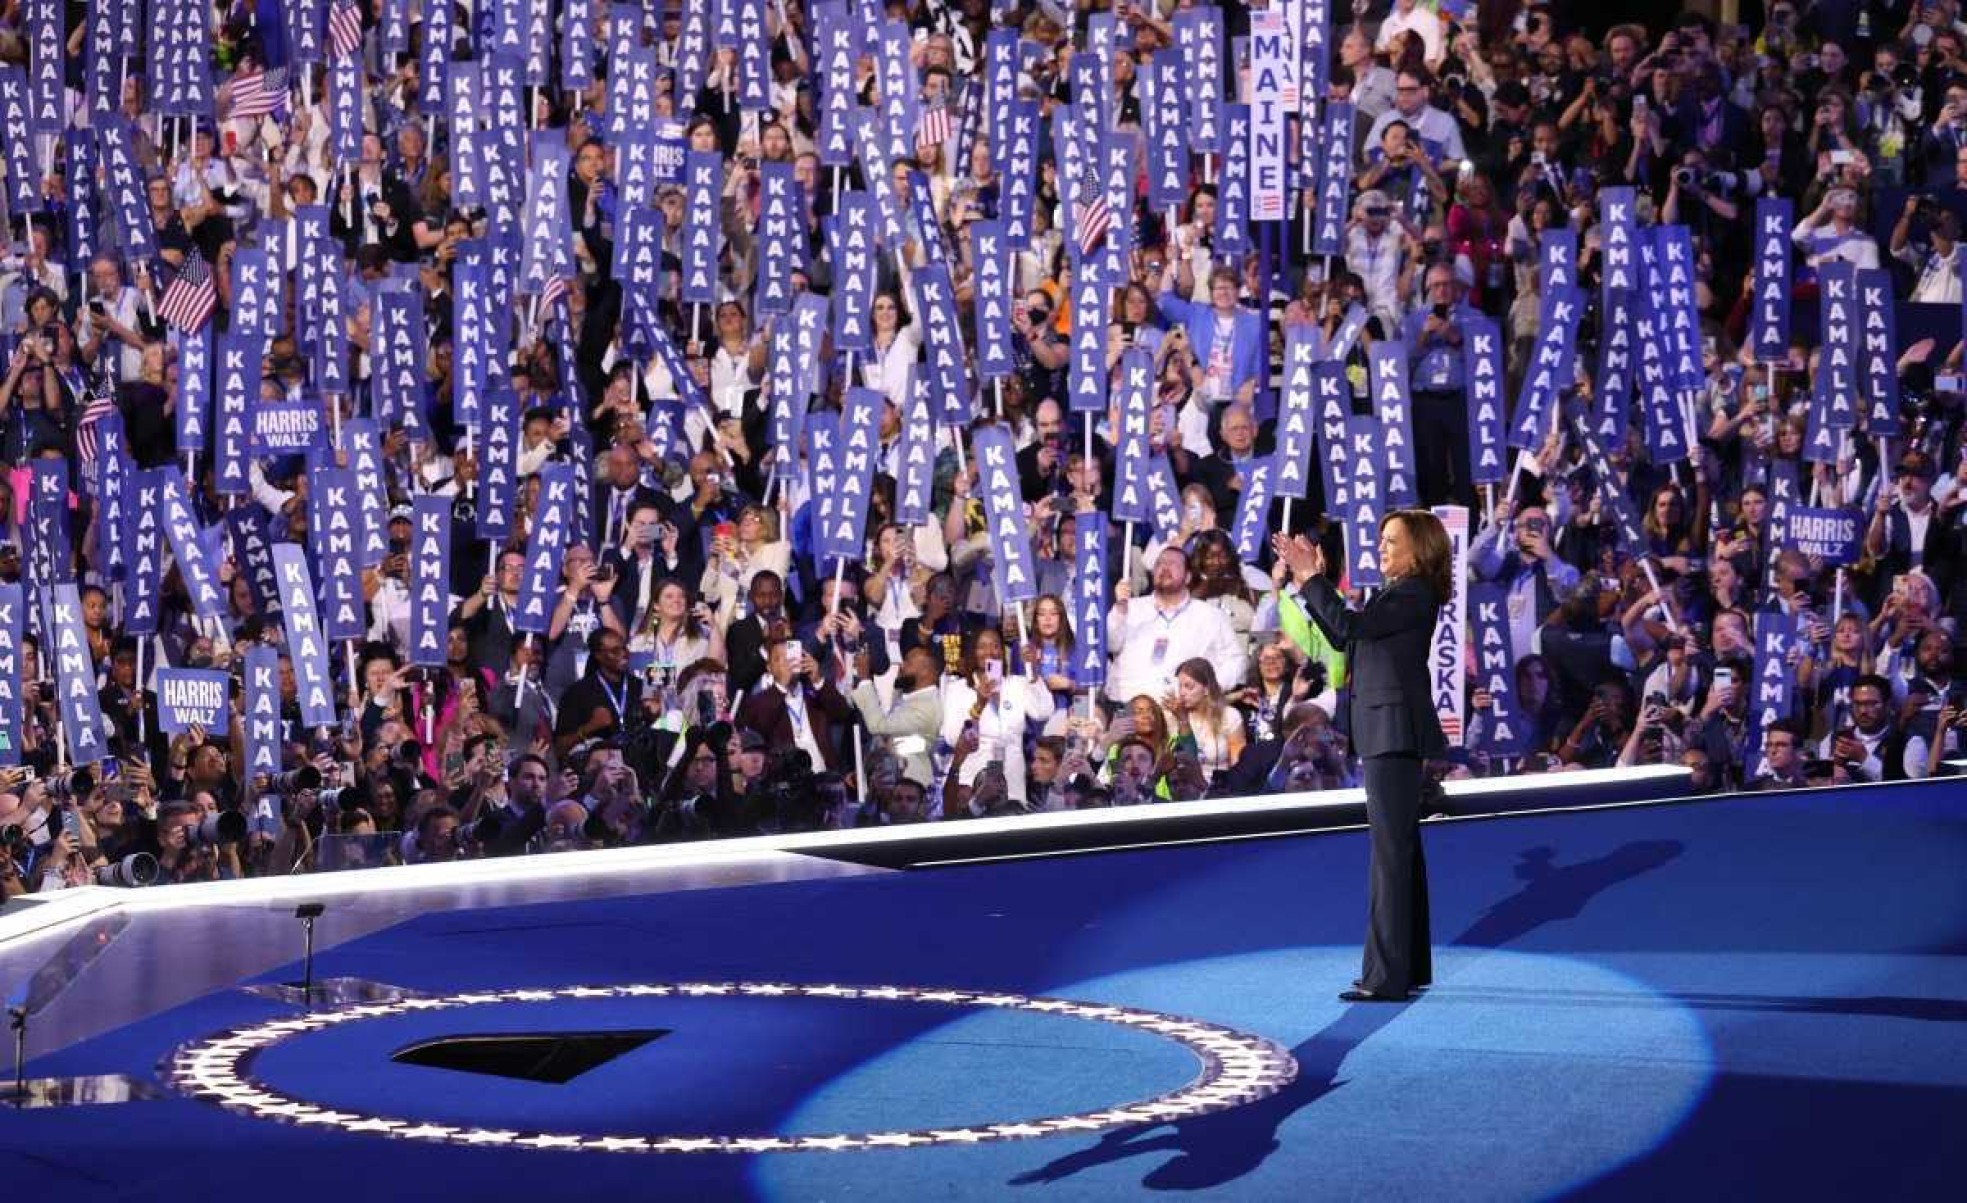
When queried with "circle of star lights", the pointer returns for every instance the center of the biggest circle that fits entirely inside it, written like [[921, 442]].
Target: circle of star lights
[[1237, 1068]]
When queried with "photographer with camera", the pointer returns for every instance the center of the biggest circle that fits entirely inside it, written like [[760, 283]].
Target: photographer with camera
[[698, 802], [1935, 259], [1691, 181], [181, 855], [506, 804]]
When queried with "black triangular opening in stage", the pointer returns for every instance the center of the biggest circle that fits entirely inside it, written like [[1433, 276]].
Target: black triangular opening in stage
[[556, 1057]]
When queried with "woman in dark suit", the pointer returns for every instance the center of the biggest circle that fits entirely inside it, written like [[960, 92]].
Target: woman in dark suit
[[1393, 727]]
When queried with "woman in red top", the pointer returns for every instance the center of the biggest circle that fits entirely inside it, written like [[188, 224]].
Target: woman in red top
[[1477, 225]]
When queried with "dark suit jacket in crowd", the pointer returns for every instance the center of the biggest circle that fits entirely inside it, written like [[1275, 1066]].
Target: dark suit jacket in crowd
[[765, 712], [1386, 646]]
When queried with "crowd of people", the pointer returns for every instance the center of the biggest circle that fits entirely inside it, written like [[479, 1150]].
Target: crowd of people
[[706, 673]]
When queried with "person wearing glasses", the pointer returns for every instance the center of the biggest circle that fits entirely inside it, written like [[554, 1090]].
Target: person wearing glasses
[[1515, 549], [1872, 747], [1782, 757], [1378, 253], [1439, 134], [1435, 333]]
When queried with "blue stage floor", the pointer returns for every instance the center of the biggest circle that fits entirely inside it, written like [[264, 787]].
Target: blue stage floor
[[1735, 998]]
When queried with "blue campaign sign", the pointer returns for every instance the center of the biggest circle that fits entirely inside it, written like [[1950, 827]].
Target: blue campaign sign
[[429, 578], [1836, 536], [1251, 530], [942, 344], [851, 243], [1297, 419], [285, 427], [1775, 217], [1506, 731], [1014, 573], [236, 394], [334, 533], [1393, 406], [1482, 356], [1878, 352], [553, 526], [194, 400], [193, 697], [702, 171], [990, 260], [307, 644], [195, 566], [261, 722], [860, 441], [13, 629], [1089, 599], [778, 234], [1365, 500], [83, 728], [915, 490], [498, 464]]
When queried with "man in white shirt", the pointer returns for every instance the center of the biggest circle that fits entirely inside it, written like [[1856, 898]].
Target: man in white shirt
[[111, 321], [1376, 252], [1372, 84], [1149, 637], [1831, 232], [1938, 265]]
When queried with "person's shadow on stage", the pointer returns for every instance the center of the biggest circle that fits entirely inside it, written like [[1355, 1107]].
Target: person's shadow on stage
[[1222, 1146]]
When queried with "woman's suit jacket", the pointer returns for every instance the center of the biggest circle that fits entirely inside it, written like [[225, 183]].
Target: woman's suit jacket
[[1386, 647]]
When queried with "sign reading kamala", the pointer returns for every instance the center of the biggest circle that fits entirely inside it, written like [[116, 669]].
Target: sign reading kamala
[[1835, 536], [192, 697], [13, 628], [75, 675]]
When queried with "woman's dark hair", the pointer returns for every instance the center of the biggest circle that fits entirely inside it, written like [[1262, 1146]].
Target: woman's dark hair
[[1433, 558]]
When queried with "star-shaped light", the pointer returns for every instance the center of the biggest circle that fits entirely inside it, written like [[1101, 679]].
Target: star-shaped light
[[488, 1136], [1235, 1068]]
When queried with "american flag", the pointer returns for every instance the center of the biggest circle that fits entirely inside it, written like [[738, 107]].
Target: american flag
[[552, 295], [1090, 214], [257, 93], [188, 303], [344, 29], [936, 124], [87, 442]]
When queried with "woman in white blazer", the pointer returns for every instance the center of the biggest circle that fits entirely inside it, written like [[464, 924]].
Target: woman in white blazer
[[1000, 699]]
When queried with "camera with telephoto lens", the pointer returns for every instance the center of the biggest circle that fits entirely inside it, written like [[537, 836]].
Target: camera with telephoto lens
[[71, 786], [788, 794], [294, 781], [219, 827], [134, 870]]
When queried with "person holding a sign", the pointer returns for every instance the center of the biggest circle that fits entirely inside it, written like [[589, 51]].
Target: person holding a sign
[[1393, 728]]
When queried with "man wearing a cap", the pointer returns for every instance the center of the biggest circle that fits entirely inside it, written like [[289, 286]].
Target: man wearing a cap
[[1907, 530], [1377, 253]]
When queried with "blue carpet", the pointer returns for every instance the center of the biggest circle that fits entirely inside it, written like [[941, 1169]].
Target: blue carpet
[[1755, 995]]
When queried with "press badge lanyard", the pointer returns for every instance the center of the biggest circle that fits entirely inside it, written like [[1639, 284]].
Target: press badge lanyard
[[1167, 622], [618, 701]]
